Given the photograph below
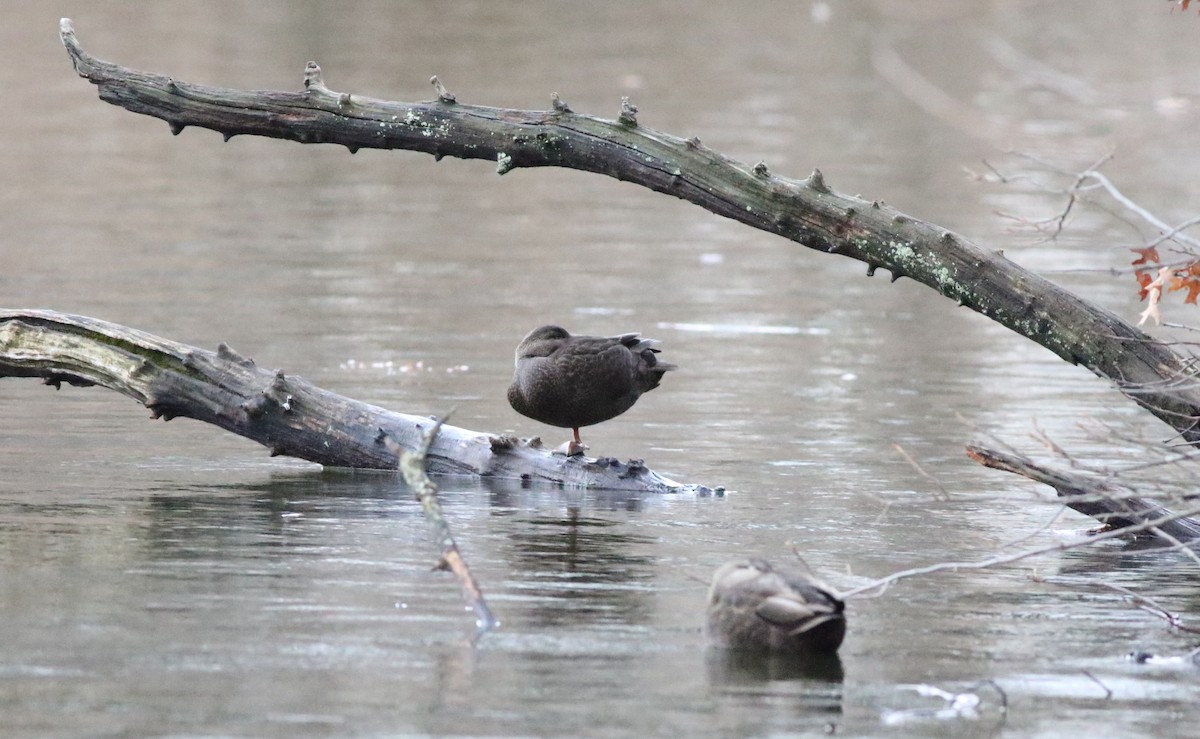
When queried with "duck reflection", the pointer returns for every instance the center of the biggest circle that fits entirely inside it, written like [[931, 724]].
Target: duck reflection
[[580, 569], [577, 568], [730, 668], [778, 690]]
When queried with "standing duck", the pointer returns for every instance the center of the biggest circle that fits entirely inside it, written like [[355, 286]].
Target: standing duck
[[573, 381], [753, 606]]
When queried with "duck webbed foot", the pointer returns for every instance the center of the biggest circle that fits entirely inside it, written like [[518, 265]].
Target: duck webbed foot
[[571, 448]]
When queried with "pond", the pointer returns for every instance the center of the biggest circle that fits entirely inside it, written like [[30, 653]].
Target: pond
[[172, 579]]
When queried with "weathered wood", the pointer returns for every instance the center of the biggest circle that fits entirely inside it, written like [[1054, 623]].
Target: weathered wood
[[1101, 499], [283, 412], [807, 211]]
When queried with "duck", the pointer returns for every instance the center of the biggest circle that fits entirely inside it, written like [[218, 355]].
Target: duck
[[574, 381], [753, 606]]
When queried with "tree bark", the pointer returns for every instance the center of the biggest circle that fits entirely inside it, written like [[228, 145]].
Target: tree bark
[[1104, 501], [806, 211], [285, 413]]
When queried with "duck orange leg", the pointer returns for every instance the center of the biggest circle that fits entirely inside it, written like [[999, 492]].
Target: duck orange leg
[[573, 447]]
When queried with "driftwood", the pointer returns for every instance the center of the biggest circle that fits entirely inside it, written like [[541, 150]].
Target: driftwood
[[285, 413]]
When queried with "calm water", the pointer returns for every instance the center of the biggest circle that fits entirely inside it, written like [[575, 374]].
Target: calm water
[[170, 579]]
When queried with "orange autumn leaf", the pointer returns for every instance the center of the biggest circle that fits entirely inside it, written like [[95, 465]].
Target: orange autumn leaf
[[1144, 281], [1188, 279], [1191, 284], [1148, 255]]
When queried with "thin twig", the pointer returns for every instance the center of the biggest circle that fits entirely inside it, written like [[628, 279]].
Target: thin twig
[[920, 471], [883, 583], [1136, 209], [1108, 694], [1151, 606], [412, 465]]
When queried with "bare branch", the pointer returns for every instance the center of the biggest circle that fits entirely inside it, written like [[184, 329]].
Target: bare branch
[[412, 465], [982, 564], [1097, 498]]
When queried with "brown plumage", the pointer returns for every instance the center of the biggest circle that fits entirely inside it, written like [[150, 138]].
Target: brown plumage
[[753, 606], [573, 381]]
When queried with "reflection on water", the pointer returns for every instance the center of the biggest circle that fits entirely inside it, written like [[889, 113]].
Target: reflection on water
[[799, 692], [172, 579], [732, 669], [581, 568]]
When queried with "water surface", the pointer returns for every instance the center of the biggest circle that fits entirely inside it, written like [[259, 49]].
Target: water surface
[[172, 579]]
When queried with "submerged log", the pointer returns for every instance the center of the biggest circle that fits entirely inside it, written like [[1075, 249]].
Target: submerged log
[[285, 413]]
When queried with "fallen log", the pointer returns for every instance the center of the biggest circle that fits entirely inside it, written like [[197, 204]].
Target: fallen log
[[284, 412]]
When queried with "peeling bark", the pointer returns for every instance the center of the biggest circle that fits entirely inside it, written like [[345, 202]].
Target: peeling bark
[[808, 212], [283, 412]]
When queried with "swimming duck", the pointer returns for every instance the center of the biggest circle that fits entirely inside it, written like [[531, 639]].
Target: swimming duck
[[753, 606], [573, 381]]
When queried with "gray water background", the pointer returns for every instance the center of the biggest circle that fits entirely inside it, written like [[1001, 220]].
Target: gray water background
[[172, 579]]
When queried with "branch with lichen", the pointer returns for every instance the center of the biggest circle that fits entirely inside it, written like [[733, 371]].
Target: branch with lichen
[[808, 211]]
